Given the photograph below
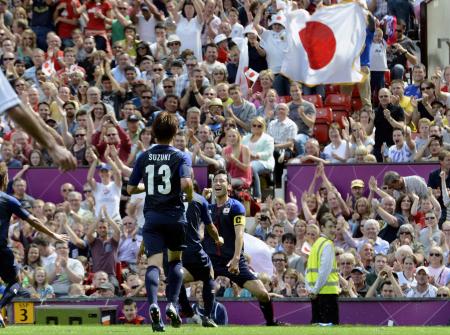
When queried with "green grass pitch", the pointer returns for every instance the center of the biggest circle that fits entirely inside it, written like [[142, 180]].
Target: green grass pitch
[[234, 330]]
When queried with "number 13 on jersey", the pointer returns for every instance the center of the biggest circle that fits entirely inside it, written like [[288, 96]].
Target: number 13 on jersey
[[164, 171]]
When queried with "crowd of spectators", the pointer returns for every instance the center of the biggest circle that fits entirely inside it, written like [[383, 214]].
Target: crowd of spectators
[[98, 72]]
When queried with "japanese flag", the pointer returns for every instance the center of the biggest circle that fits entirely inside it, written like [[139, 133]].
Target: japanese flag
[[325, 47], [252, 75], [48, 68]]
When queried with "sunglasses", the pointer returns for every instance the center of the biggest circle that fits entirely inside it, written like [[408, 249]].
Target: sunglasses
[[8, 58], [87, 191], [346, 263], [158, 70], [256, 125], [435, 254], [168, 86], [442, 295], [425, 88], [110, 135], [80, 135], [68, 190], [275, 260], [428, 218], [405, 233]]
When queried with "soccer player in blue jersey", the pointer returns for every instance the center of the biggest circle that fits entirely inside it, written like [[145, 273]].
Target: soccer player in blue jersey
[[228, 260], [196, 263], [8, 271], [166, 172]]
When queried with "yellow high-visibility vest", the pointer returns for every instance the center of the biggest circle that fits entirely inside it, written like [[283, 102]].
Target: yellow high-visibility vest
[[312, 269]]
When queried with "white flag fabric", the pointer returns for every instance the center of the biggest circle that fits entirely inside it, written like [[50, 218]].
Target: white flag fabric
[[325, 47], [241, 80], [260, 253], [252, 75]]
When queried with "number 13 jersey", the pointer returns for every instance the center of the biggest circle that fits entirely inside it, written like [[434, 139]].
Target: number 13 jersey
[[161, 168]]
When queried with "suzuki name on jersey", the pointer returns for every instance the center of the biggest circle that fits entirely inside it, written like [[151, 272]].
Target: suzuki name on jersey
[[159, 157]]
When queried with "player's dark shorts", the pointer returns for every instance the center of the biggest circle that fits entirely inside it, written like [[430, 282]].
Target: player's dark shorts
[[198, 264], [164, 230], [221, 269], [8, 271]]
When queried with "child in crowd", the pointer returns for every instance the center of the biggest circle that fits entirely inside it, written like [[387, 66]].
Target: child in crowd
[[130, 313]]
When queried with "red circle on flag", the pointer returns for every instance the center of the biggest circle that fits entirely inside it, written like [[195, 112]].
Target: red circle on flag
[[319, 43]]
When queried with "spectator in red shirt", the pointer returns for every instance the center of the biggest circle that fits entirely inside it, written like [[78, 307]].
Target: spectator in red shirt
[[112, 134], [66, 18], [99, 15], [130, 315]]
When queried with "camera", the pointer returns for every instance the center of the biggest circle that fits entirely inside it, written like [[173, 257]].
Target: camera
[[264, 218]]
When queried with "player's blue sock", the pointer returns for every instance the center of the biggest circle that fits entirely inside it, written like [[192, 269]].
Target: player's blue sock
[[208, 296], [267, 309], [10, 292], [174, 281], [183, 301], [152, 283]]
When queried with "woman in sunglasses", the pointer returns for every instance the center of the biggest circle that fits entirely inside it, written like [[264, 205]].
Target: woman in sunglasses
[[422, 107], [261, 147], [439, 273]]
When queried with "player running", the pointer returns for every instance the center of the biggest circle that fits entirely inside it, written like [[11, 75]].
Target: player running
[[228, 261], [167, 174], [8, 271], [196, 263]]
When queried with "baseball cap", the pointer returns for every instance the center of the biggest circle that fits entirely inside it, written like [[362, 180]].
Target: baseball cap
[[280, 19], [250, 29], [173, 38], [424, 268], [104, 166], [133, 118], [106, 286], [216, 102], [357, 183], [359, 269], [220, 38], [145, 7]]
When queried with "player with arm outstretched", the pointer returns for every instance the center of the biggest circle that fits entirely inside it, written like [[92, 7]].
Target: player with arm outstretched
[[31, 123], [9, 206], [166, 173]]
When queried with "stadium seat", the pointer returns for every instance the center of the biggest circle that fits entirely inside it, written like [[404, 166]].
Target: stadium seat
[[321, 133], [338, 115], [315, 99], [324, 115], [356, 104], [332, 89], [339, 102]]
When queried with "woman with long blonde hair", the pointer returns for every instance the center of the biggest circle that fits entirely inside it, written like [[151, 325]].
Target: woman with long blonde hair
[[237, 157]]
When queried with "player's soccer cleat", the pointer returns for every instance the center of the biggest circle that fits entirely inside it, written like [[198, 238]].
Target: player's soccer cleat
[[207, 322], [2, 322], [276, 323], [155, 316], [172, 315]]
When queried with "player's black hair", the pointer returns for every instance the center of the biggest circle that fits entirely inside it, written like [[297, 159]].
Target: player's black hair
[[165, 126], [222, 171]]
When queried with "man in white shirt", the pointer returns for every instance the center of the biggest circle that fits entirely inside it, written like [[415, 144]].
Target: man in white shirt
[[123, 60], [423, 288], [145, 18], [402, 151], [370, 231]]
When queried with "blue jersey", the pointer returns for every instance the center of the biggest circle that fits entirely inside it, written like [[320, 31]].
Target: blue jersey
[[225, 218], [162, 167], [197, 212], [9, 206]]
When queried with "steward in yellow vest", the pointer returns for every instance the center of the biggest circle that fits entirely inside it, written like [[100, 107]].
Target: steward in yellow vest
[[322, 277]]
